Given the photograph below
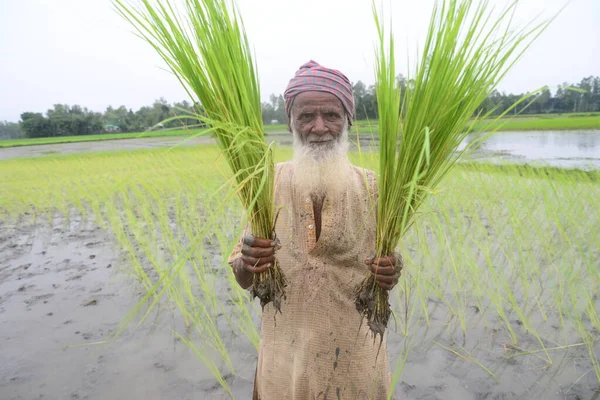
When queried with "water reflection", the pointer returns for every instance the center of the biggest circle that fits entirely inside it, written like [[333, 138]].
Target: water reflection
[[557, 148]]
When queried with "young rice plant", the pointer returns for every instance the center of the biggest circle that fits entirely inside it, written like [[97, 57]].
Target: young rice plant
[[467, 52], [206, 48]]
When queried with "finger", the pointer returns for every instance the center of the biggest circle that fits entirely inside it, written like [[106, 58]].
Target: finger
[[385, 261], [382, 261], [252, 241], [257, 270], [385, 279], [385, 286], [257, 252], [379, 270], [257, 261]]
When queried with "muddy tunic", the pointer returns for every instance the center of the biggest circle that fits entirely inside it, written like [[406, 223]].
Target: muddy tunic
[[316, 348]]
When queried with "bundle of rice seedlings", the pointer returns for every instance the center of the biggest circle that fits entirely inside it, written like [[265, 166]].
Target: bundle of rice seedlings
[[204, 44], [467, 52]]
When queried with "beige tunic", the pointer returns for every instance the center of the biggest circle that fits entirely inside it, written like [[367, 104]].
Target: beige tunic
[[316, 348]]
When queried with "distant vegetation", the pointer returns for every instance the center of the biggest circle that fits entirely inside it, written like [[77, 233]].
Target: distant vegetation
[[572, 121], [65, 121], [584, 99]]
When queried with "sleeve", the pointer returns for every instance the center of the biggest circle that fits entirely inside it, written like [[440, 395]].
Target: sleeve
[[237, 250]]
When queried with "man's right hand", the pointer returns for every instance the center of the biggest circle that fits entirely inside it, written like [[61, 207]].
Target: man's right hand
[[258, 255]]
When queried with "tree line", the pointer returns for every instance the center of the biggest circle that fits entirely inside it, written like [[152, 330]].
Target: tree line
[[65, 120], [580, 97]]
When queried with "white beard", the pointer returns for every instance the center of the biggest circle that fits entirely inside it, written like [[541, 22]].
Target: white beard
[[321, 170]]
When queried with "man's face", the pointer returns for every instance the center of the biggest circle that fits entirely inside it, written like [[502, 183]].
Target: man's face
[[318, 119]]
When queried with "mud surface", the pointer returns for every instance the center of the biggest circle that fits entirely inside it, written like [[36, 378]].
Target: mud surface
[[63, 290], [101, 145]]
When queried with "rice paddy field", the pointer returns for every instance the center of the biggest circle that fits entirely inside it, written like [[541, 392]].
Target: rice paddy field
[[114, 282], [571, 121]]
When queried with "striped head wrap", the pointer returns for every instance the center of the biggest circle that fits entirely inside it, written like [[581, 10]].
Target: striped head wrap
[[314, 77]]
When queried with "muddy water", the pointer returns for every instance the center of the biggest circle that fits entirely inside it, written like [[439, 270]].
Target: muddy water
[[102, 145], [63, 290], [580, 149], [565, 149], [62, 293]]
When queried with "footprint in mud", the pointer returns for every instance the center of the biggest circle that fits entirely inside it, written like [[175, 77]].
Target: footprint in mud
[[36, 299], [407, 387], [25, 276], [440, 387], [90, 302], [24, 288], [74, 277], [159, 365]]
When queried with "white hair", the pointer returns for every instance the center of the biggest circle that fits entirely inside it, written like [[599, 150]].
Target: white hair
[[321, 169]]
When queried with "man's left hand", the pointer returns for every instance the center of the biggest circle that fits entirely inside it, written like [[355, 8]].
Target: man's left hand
[[386, 270]]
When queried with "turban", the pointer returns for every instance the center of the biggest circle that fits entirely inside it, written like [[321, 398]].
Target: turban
[[314, 77]]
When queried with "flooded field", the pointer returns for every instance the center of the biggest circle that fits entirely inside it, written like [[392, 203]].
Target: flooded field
[[498, 299], [569, 149]]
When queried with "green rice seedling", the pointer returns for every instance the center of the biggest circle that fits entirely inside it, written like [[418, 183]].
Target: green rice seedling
[[524, 244], [468, 357], [157, 205], [205, 46], [467, 52], [507, 279]]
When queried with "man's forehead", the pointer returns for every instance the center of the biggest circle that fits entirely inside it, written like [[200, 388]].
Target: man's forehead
[[316, 99]]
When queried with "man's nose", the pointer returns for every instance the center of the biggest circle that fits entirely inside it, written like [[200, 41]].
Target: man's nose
[[319, 126]]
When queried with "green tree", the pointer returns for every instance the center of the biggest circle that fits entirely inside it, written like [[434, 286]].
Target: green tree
[[35, 125], [359, 90], [10, 130]]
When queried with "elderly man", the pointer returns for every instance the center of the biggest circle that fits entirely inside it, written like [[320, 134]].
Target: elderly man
[[319, 347]]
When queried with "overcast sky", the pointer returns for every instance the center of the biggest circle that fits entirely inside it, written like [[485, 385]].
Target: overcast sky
[[82, 52]]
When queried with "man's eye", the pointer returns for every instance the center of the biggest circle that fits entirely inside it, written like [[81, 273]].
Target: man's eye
[[332, 115], [306, 116]]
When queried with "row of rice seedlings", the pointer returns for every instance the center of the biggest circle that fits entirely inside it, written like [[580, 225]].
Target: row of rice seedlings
[[162, 209], [511, 234], [506, 288], [493, 252], [518, 253], [171, 228]]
